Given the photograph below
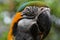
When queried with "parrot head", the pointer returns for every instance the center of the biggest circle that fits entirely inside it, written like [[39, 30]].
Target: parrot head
[[32, 22]]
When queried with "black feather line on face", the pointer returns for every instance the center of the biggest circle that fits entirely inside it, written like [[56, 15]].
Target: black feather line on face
[[14, 31]]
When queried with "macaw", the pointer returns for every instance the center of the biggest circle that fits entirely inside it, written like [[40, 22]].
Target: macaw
[[31, 22]]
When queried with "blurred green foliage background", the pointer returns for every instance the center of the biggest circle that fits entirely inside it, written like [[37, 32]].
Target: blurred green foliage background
[[8, 9]]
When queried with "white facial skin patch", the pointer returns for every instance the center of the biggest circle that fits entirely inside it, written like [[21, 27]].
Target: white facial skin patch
[[25, 23], [36, 10]]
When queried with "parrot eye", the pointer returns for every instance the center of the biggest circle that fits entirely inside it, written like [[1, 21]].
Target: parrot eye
[[28, 9]]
